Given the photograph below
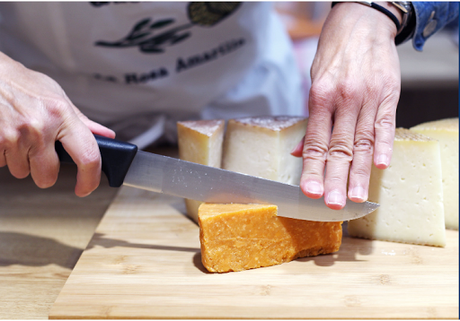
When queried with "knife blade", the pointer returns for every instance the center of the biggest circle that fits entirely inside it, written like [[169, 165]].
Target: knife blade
[[124, 164]]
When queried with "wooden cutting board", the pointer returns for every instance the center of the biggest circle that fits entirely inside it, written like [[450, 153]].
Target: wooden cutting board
[[144, 262]]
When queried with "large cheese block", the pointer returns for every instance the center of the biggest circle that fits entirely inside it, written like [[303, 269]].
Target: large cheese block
[[261, 146], [200, 141], [410, 195], [446, 132], [236, 237]]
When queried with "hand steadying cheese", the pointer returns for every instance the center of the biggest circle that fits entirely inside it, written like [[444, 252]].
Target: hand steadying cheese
[[353, 98]]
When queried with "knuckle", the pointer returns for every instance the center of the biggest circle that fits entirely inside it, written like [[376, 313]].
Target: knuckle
[[348, 90], [26, 132], [341, 152], [321, 88], [364, 145], [56, 105], [90, 159], [32, 129], [320, 93], [57, 109], [9, 138], [37, 127], [385, 122], [314, 151]]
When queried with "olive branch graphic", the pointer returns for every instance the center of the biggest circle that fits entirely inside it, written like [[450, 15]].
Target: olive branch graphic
[[143, 34]]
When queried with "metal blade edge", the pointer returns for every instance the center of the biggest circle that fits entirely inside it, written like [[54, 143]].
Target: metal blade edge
[[180, 178]]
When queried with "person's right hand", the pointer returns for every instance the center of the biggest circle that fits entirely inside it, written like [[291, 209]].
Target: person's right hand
[[34, 114]]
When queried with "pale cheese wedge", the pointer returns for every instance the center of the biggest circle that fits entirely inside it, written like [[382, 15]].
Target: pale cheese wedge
[[236, 237], [446, 132], [261, 146], [200, 141], [410, 195]]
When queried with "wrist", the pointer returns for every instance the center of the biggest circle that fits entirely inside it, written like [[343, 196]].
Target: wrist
[[401, 13], [379, 15], [393, 9]]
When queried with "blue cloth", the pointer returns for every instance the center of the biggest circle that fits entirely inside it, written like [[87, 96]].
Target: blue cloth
[[430, 18]]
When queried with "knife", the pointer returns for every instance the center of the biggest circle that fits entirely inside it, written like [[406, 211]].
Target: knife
[[124, 164]]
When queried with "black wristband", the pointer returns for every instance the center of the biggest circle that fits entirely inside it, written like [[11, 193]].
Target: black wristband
[[407, 32], [381, 9]]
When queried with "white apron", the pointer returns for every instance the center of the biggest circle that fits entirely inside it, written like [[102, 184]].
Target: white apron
[[139, 67]]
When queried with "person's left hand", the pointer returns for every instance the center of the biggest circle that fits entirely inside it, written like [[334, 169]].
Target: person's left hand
[[355, 90]]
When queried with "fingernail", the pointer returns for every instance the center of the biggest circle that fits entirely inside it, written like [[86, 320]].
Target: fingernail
[[314, 188], [357, 193], [382, 160], [84, 195], [335, 198]]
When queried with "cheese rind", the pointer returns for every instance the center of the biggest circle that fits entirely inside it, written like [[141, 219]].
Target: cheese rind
[[261, 146], [200, 141], [236, 237], [446, 132], [410, 195]]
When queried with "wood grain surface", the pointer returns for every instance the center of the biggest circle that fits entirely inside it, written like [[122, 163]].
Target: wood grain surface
[[144, 262], [42, 235]]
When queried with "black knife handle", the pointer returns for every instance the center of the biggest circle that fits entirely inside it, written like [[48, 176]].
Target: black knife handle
[[116, 158]]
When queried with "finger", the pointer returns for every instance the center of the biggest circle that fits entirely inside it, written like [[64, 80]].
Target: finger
[[363, 150], [315, 148], [339, 158], [81, 145], [99, 129], [2, 159], [297, 151], [16, 157], [385, 124], [44, 165], [94, 127]]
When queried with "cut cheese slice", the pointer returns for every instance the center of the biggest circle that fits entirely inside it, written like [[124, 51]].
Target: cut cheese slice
[[410, 195], [261, 146], [200, 141], [236, 237], [446, 132]]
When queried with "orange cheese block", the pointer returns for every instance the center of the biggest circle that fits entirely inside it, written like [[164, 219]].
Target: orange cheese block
[[236, 237]]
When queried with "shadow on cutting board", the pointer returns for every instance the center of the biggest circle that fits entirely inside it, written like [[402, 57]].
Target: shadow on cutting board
[[349, 250], [31, 250], [99, 239]]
